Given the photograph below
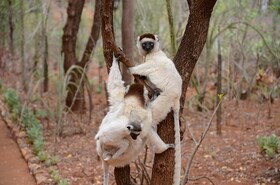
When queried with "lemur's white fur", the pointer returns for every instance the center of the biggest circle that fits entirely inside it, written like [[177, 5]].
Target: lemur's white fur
[[114, 143], [161, 71]]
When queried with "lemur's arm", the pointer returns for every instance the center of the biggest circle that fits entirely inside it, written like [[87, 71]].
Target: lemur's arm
[[143, 69]]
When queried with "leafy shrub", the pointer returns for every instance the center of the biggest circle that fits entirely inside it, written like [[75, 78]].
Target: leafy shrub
[[42, 156], [29, 119], [269, 145], [38, 145], [52, 161], [41, 114], [11, 97], [12, 100], [57, 179]]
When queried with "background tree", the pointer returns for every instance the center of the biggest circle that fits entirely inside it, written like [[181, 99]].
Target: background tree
[[219, 90], [11, 26], [75, 96], [22, 48]]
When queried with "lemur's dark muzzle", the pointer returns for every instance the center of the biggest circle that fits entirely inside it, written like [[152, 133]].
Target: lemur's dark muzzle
[[147, 46], [134, 135]]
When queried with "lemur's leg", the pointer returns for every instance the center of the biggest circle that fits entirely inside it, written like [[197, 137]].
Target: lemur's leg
[[156, 142], [122, 147], [161, 106]]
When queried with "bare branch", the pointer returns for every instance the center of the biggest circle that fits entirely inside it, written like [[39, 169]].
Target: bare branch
[[201, 177], [94, 35]]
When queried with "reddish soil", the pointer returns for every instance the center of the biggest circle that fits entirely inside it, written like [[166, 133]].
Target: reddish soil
[[13, 168]]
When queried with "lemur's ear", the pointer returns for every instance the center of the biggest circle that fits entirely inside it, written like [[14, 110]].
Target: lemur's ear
[[157, 39]]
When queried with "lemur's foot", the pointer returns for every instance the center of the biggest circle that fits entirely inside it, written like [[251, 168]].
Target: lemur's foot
[[170, 146]]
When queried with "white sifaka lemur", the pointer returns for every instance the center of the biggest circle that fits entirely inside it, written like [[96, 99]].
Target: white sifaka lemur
[[162, 73], [127, 126]]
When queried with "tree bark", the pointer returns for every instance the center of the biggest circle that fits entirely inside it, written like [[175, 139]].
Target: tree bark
[[45, 44], [219, 91], [185, 60], [127, 37], [22, 54], [122, 175], [11, 26]]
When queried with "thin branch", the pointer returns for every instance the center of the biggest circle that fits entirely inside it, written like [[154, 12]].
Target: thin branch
[[191, 133], [94, 35], [197, 145], [201, 177]]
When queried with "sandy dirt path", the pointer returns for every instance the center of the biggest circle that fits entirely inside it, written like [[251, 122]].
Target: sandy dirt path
[[13, 168]]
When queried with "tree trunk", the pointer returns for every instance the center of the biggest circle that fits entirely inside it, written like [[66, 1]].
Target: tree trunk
[[127, 37], [219, 91], [45, 63], [37, 41], [45, 46], [185, 60], [11, 26], [122, 175], [107, 32], [22, 40]]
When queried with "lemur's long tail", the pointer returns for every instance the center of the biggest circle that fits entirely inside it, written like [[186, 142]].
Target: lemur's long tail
[[177, 168], [106, 174]]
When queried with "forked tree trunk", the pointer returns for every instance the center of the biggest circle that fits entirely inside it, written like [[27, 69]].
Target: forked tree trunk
[[75, 97], [185, 60]]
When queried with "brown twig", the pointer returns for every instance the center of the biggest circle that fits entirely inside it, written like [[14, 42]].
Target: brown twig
[[201, 177]]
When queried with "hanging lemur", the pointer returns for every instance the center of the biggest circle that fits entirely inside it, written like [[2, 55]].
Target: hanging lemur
[[162, 73], [127, 126]]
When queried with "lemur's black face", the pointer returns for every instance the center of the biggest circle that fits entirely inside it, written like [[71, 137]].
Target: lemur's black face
[[148, 46], [135, 130]]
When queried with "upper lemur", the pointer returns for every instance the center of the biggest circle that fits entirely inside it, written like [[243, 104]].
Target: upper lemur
[[162, 73]]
